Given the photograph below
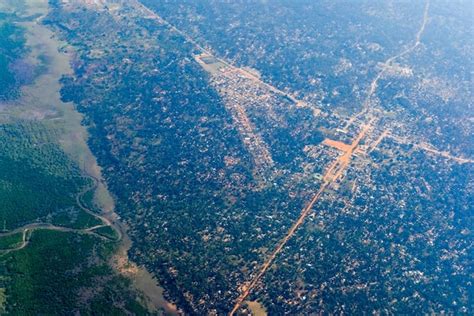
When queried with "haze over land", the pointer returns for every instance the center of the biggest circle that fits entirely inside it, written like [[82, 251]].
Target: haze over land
[[212, 158]]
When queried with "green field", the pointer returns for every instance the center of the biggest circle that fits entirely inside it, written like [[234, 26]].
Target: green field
[[11, 241], [37, 180], [107, 231], [63, 268], [57, 273], [60, 273]]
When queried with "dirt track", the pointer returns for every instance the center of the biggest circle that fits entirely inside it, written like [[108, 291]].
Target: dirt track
[[331, 175], [335, 171]]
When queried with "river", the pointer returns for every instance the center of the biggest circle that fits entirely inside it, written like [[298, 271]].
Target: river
[[41, 101]]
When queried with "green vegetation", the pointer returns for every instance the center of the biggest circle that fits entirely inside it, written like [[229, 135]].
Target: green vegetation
[[37, 180], [57, 273], [107, 231], [181, 163], [385, 226], [77, 219], [61, 273], [11, 241]]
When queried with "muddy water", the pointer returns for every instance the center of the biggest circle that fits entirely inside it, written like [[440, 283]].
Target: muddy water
[[41, 101], [142, 279], [256, 308]]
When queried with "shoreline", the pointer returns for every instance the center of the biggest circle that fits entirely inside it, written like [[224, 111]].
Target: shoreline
[[38, 103]]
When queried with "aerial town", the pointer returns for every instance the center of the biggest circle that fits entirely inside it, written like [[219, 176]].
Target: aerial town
[[289, 168]]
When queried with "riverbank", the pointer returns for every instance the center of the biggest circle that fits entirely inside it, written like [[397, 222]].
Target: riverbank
[[41, 100]]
